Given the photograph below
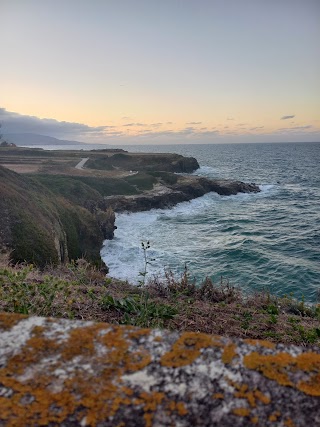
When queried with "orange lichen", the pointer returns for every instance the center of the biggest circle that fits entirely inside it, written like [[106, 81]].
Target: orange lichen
[[254, 420], [252, 396], [274, 416], [262, 397], [311, 387], [80, 342], [261, 343], [8, 320], [229, 353], [218, 396], [272, 366], [186, 349], [289, 423], [281, 367], [241, 412], [178, 407]]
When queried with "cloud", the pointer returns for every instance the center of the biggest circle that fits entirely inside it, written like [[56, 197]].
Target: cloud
[[193, 123], [230, 118], [302, 127], [287, 117], [295, 129], [187, 132], [156, 124], [19, 123], [134, 124], [257, 127]]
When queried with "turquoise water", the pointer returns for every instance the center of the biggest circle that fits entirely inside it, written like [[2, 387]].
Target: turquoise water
[[269, 240]]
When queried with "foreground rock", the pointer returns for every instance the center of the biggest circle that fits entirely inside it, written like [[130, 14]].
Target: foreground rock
[[186, 188], [62, 373]]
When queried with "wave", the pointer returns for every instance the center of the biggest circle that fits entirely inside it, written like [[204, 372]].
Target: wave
[[206, 171]]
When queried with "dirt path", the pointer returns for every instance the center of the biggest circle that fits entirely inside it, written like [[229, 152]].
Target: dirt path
[[82, 163]]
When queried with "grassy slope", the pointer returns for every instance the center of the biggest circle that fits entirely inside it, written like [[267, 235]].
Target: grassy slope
[[79, 291], [34, 222], [80, 189]]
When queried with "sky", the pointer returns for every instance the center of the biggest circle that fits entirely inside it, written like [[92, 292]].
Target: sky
[[161, 71]]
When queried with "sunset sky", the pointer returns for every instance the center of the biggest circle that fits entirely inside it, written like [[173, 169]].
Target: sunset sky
[[161, 71]]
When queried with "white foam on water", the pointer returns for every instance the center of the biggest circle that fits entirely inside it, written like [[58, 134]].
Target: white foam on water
[[169, 234], [207, 171], [266, 187]]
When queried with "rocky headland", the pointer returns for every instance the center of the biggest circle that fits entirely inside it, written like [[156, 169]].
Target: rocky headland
[[53, 211], [164, 195]]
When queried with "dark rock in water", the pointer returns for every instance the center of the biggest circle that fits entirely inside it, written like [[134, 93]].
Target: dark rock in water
[[186, 188]]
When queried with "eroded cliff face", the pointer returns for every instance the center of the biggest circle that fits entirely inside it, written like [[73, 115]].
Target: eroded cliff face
[[61, 372]]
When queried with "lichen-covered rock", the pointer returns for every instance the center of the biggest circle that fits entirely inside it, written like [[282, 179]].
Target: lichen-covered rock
[[61, 373]]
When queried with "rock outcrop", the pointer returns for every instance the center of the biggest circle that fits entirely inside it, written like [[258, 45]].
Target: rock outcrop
[[186, 188], [144, 162], [71, 373]]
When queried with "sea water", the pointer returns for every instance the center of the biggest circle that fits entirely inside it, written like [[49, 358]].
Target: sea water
[[264, 241]]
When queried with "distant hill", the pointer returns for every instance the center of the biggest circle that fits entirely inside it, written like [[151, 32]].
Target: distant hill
[[27, 139]]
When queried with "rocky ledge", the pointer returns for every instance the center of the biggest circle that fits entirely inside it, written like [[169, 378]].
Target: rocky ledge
[[186, 188], [57, 372]]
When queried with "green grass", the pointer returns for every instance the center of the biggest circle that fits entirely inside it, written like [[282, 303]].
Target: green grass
[[79, 290], [40, 226]]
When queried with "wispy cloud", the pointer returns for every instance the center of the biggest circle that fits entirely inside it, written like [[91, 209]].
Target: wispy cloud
[[302, 127], [187, 132], [257, 127], [287, 117], [193, 123], [134, 124], [295, 128]]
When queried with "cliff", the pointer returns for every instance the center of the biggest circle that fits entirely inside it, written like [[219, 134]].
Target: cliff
[[145, 162], [63, 373], [42, 228]]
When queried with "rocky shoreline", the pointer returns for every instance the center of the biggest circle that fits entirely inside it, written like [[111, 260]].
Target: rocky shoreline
[[185, 189], [61, 212]]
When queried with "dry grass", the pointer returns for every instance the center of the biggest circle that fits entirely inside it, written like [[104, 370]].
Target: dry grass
[[80, 291]]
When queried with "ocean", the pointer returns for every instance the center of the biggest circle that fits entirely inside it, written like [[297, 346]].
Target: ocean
[[266, 241]]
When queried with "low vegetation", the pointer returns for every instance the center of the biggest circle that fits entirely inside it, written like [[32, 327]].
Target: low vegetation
[[43, 227], [81, 291]]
